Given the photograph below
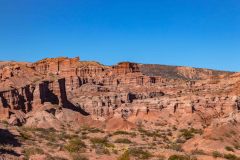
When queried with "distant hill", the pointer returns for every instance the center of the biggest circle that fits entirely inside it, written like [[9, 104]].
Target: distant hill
[[179, 72]]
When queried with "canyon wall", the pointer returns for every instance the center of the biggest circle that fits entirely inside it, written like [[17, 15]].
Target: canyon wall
[[124, 90]]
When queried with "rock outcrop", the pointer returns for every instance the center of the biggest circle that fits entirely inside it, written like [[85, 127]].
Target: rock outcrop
[[174, 109], [124, 90]]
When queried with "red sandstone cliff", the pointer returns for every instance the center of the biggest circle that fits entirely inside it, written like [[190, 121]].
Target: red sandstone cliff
[[102, 91], [67, 94]]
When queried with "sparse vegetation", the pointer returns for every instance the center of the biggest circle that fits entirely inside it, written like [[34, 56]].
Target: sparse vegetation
[[237, 146], [217, 154], [230, 149], [189, 133], [75, 145], [198, 152], [24, 133], [174, 146], [54, 158], [149, 133], [123, 140], [101, 142], [132, 134], [32, 151], [79, 157], [91, 130], [231, 157], [101, 145], [140, 153], [124, 156], [181, 157]]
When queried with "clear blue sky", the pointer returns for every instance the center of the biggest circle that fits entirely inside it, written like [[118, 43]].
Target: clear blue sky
[[199, 33]]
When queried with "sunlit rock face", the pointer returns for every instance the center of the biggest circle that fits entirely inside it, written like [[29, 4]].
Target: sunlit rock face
[[126, 90]]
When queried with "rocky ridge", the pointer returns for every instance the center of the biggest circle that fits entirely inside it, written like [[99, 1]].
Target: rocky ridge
[[54, 91]]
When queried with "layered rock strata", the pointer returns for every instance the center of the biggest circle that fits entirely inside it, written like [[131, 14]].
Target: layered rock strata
[[125, 90]]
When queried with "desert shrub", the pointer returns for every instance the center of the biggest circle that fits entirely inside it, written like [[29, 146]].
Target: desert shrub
[[217, 154], [75, 145], [101, 150], [228, 148], [237, 146], [54, 158], [189, 133], [121, 133], [64, 136], [175, 146], [95, 130], [180, 140], [49, 134], [181, 157], [140, 153], [123, 140], [132, 134], [54, 145], [101, 145], [79, 157], [86, 129], [149, 133], [32, 151], [231, 157], [24, 133], [101, 142], [44, 130], [125, 156], [198, 152]]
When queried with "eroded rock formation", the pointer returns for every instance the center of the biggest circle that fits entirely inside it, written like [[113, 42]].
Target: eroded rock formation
[[125, 90]]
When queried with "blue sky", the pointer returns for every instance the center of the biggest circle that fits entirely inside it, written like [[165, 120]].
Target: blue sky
[[199, 33]]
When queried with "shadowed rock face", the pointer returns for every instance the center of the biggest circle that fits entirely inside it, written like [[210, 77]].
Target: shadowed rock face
[[123, 90], [8, 138]]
